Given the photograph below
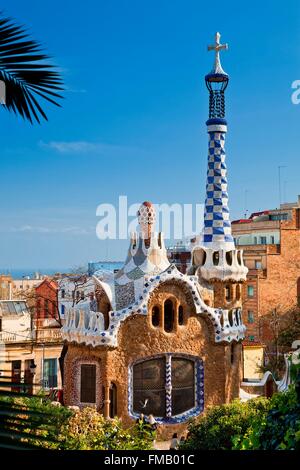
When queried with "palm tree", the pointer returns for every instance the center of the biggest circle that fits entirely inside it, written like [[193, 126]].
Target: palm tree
[[25, 73], [26, 77]]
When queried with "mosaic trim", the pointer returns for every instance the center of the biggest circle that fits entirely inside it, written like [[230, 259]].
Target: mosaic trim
[[199, 389], [76, 382], [217, 225], [87, 329]]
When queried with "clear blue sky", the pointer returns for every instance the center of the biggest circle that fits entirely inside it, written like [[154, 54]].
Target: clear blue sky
[[133, 117]]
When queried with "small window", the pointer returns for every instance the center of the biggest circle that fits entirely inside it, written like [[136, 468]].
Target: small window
[[113, 400], [216, 258], [88, 383], [180, 315], [228, 293], [251, 338], [250, 316], [272, 238], [239, 259], [82, 295], [255, 240], [63, 308], [0, 324], [250, 291], [168, 315], [155, 316], [63, 293], [263, 240], [257, 264], [229, 257]]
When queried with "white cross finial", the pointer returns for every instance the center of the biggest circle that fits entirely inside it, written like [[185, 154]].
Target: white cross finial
[[217, 47]]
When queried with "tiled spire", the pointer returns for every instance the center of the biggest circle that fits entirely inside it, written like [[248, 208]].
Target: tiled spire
[[217, 227]]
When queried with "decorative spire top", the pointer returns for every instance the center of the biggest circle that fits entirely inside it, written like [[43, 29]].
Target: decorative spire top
[[146, 217], [217, 47], [216, 82]]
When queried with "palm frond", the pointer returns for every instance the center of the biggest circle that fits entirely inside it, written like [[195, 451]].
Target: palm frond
[[27, 421], [26, 73]]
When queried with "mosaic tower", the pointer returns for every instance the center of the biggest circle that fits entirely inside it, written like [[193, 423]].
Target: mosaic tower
[[215, 251]]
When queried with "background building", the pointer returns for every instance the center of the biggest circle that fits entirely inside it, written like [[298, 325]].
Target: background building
[[30, 336], [270, 241]]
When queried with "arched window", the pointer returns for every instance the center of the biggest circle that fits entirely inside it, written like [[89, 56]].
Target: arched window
[[113, 400], [180, 315], [155, 316], [228, 293], [229, 257], [216, 258], [168, 315], [167, 386]]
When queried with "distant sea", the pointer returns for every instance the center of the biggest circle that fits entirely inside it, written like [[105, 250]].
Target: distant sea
[[24, 272]]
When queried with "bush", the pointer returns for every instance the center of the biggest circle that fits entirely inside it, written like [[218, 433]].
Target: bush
[[88, 430], [36, 423], [220, 424], [278, 430]]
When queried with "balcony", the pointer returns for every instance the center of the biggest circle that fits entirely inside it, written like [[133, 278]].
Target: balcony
[[11, 337], [51, 335]]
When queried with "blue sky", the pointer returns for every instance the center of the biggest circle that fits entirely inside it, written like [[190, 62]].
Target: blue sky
[[133, 118]]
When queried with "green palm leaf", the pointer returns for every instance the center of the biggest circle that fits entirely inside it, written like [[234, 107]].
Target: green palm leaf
[[25, 72]]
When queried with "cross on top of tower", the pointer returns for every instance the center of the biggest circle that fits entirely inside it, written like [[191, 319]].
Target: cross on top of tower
[[217, 47]]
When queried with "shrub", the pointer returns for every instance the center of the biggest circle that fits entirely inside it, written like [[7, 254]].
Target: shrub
[[278, 430], [88, 430], [220, 424]]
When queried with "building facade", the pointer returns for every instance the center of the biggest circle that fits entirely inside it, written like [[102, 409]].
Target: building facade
[[271, 244], [30, 336], [162, 342]]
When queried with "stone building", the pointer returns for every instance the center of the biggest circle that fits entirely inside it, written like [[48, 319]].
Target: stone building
[[162, 342]]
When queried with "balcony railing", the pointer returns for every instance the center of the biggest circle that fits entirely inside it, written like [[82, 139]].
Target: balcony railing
[[10, 337], [48, 335]]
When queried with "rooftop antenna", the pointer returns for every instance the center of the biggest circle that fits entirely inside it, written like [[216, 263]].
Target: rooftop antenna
[[246, 202]]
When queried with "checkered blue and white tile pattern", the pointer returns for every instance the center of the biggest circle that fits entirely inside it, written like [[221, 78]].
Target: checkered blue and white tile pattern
[[217, 225]]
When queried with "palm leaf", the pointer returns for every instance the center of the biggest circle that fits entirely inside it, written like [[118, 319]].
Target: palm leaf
[[26, 73], [25, 426]]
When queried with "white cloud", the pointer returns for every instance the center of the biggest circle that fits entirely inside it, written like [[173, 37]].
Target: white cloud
[[84, 146]]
